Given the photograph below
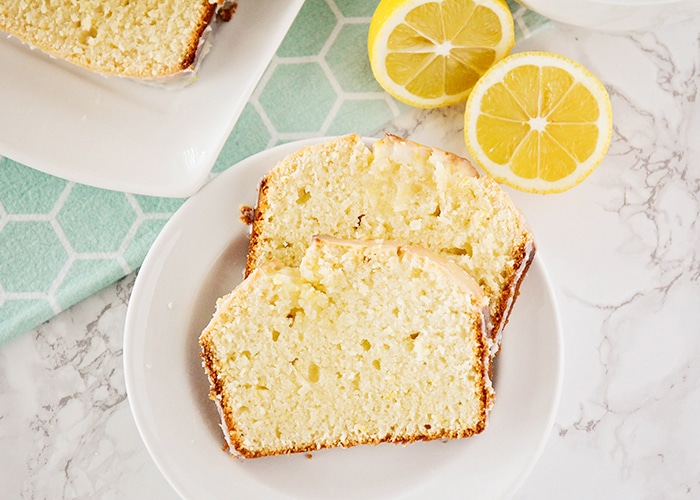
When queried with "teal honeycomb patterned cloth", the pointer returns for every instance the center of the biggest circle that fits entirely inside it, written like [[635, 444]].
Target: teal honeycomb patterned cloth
[[61, 242]]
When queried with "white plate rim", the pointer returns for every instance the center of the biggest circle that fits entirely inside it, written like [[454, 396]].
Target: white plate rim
[[140, 306]]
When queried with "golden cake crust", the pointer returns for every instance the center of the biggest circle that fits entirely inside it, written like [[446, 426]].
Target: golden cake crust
[[235, 443], [215, 358], [89, 34], [520, 255]]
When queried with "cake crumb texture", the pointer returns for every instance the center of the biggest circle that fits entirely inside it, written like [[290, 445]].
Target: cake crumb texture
[[364, 342], [139, 39], [402, 191]]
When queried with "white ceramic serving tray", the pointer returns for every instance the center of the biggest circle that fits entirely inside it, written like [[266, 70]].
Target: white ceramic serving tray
[[118, 134]]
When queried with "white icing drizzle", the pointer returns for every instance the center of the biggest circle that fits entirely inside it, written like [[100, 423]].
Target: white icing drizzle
[[498, 336], [187, 76]]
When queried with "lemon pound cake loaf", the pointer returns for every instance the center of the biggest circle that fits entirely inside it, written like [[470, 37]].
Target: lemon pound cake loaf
[[147, 39], [364, 342], [400, 191]]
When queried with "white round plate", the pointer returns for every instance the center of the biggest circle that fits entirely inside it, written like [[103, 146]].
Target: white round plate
[[198, 257]]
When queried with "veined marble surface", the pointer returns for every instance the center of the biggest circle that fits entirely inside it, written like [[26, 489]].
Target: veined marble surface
[[622, 250]]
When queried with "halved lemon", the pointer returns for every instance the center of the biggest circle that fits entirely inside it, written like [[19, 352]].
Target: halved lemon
[[539, 122], [431, 53]]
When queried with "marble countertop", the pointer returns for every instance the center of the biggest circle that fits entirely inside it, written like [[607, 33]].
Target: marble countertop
[[623, 253]]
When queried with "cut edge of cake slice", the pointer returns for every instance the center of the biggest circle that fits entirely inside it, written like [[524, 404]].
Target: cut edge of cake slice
[[92, 38], [398, 190], [365, 342]]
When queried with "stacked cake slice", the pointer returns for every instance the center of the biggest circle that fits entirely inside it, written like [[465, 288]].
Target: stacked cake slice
[[382, 329]]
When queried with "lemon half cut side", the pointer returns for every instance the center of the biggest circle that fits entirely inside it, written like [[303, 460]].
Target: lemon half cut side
[[431, 53], [538, 122]]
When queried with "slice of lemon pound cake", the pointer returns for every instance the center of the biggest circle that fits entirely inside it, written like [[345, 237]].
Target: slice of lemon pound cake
[[147, 39], [364, 342], [400, 191]]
